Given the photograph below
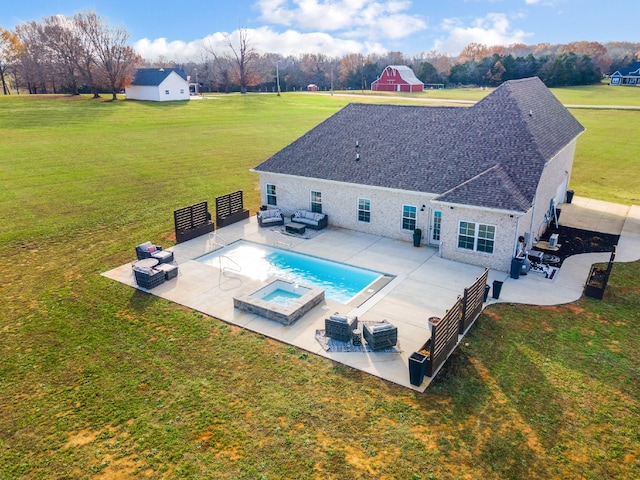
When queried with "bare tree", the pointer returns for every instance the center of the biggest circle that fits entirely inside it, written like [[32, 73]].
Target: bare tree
[[67, 49], [9, 52], [113, 56], [242, 61], [35, 63]]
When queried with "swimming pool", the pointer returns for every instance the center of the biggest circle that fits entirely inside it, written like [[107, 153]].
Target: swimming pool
[[341, 282]]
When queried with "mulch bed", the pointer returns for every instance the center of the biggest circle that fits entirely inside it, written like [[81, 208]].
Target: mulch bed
[[575, 240]]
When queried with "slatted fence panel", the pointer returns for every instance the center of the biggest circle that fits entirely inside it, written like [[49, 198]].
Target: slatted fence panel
[[472, 302], [444, 337], [230, 208]]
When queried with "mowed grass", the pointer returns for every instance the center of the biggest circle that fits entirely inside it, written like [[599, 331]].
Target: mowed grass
[[98, 380]]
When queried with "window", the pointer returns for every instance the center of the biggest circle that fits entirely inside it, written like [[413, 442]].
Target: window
[[271, 195], [409, 217], [181, 91], [166, 92], [476, 237], [316, 202], [364, 210]]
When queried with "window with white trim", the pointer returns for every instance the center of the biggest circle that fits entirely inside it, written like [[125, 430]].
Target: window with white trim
[[364, 210], [316, 202], [476, 236], [409, 213], [166, 92], [271, 195]]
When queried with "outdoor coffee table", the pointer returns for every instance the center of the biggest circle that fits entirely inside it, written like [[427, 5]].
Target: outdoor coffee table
[[146, 263], [294, 227]]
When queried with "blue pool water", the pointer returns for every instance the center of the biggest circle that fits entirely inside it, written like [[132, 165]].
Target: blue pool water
[[281, 297], [340, 282]]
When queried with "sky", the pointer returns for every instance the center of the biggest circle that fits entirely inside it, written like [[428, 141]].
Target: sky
[[178, 30]]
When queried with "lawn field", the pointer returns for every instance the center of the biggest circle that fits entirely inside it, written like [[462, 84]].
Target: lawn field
[[98, 380]]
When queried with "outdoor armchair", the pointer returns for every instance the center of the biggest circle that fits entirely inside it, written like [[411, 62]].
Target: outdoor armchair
[[149, 250]]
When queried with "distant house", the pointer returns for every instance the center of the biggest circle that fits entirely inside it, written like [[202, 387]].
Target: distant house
[[397, 78], [312, 87], [472, 179], [627, 76], [158, 85]]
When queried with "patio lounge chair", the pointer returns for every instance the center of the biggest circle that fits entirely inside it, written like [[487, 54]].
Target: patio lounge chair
[[148, 277], [268, 218], [380, 335], [340, 327], [149, 250]]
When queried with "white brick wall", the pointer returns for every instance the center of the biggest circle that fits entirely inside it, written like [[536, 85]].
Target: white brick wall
[[340, 202]]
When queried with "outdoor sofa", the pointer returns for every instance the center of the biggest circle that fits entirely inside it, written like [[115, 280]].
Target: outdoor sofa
[[149, 250], [316, 221], [271, 217]]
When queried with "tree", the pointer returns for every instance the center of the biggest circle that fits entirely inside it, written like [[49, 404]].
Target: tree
[[245, 56], [66, 47], [427, 73], [35, 65], [9, 52], [113, 56]]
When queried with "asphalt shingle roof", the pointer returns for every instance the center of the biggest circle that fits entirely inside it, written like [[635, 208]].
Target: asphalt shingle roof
[[154, 76], [489, 155]]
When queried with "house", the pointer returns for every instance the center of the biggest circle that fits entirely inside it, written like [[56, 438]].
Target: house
[[312, 87], [397, 78], [158, 85], [627, 76], [473, 179]]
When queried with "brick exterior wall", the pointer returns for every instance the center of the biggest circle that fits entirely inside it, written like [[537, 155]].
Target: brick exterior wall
[[340, 202]]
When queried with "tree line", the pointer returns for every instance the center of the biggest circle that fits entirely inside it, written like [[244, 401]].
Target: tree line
[[83, 53], [64, 54]]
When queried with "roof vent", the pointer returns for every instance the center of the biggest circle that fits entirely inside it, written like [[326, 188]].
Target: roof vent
[[162, 69], [531, 113], [357, 157]]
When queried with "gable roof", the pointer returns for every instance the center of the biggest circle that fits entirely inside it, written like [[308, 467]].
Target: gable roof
[[155, 76], [489, 155], [633, 70], [405, 73]]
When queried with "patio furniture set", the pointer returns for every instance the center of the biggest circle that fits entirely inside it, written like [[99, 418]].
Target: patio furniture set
[[378, 335], [153, 265], [300, 220]]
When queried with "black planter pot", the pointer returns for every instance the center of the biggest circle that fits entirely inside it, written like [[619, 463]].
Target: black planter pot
[[570, 196], [417, 368], [417, 237], [497, 287], [486, 292]]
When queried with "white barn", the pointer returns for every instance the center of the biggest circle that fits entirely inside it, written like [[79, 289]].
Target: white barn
[[158, 85]]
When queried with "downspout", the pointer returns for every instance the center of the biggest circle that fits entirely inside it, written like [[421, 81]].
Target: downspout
[[515, 237]]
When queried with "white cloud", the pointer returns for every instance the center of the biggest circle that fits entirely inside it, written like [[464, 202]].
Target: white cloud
[[176, 50], [264, 39], [333, 27], [493, 29], [355, 18]]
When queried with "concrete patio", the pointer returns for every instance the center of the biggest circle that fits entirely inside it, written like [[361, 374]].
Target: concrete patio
[[424, 286]]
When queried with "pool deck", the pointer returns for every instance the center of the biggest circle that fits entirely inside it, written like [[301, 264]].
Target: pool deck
[[424, 286]]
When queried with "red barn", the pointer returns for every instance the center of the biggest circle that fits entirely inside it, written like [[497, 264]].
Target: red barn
[[397, 78]]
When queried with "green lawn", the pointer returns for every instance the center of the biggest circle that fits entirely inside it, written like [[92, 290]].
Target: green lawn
[[99, 380]]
